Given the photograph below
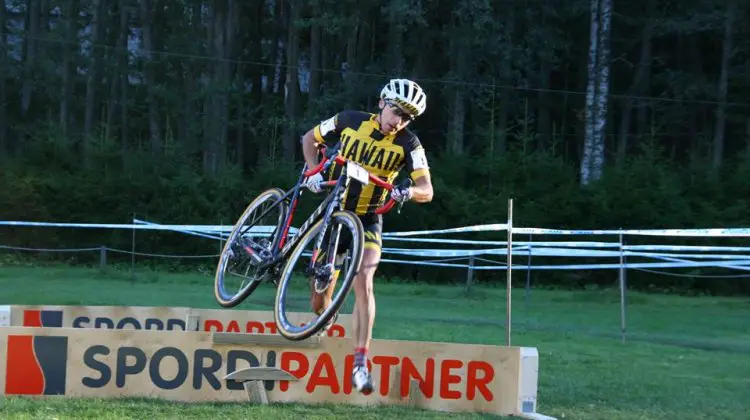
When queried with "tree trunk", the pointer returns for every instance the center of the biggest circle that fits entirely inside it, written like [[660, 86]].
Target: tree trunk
[[590, 109], [543, 124], [222, 48], [395, 39], [456, 140], [69, 13], [4, 72], [602, 91], [315, 64], [278, 68], [147, 17], [191, 139], [29, 65], [350, 75], [721, 109], [212, 137], [500, 145], [124, 85], [457, 125], [92, 80], [597, 92], [637, 86], [292, 85], [120, 53], [255, 113]]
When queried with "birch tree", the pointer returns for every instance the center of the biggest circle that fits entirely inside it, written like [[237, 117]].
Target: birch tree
[[597, 92]]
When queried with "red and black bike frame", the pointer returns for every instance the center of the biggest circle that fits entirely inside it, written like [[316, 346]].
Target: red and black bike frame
[[333, 201]]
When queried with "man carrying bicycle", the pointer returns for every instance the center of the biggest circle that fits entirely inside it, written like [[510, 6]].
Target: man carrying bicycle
[[382, 145]]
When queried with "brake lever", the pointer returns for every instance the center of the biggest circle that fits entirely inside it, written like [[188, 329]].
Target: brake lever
[[404, 184]]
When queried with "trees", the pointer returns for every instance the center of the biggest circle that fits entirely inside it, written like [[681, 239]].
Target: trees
[[218, 92]]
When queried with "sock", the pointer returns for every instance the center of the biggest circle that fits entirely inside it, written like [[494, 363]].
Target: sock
[[360, 356]]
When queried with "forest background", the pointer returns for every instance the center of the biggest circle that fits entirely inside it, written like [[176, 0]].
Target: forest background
[[594, 114]]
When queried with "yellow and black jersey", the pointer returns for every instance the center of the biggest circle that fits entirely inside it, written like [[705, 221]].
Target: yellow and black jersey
[[383, 156]]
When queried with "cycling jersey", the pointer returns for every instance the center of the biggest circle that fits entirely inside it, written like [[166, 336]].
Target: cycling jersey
[[381, 155]]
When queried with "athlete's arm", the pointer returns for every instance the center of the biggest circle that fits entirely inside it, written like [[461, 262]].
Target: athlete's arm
[[327, 133], [421, 192], [419, 171], [310, 149]]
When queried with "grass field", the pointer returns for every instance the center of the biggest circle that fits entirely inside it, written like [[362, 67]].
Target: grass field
[[684, 357]]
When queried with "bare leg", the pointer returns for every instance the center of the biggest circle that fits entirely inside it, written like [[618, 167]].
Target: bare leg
[[364, 307]]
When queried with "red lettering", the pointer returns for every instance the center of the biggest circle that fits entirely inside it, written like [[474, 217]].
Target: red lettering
[[385, 363], [233, 326], [254, 327], [348, 367], [271, 326], [299, 372], [446, 378], [473, 383], [336, 330], [324, 362], [426, 382], [213, 325]]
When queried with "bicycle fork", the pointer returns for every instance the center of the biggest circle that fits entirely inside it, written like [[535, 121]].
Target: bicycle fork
[[327, 270]]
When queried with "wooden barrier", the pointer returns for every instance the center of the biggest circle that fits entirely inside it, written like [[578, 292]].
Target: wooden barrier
[[156, 318], [199, 366]]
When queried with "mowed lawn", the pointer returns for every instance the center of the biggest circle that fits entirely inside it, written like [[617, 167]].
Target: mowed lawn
[[683, 358]]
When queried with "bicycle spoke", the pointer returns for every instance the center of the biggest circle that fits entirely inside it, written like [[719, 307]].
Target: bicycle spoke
[[243, 263]]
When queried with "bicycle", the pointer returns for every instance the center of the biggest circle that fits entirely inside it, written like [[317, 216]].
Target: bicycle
[[273, 256]]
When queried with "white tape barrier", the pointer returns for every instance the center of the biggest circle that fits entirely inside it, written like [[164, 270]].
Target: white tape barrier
[[540, 249], [496, 227]]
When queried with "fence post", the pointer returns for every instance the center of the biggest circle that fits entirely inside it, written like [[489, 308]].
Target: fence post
[[623, 326], [508, 271], [528, 277], [132, 254], [469, 274], [102, 257]]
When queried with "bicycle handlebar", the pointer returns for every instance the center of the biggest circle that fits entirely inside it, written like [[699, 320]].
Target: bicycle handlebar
[[342, 161]]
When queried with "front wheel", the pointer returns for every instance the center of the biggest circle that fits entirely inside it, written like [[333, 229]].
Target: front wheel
[[249, 246], [343, 235]]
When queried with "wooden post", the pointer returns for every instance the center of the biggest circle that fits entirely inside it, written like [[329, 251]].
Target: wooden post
[[508, 283], [469, 274], [102, 257]]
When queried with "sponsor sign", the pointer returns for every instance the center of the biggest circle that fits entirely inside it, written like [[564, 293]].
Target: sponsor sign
[[84, 362], [155, 318]]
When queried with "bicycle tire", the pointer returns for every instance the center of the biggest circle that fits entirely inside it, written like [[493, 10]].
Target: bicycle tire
[[227, 300], [346, 279]]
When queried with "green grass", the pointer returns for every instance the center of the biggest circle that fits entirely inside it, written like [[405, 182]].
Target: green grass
[[684, 357]]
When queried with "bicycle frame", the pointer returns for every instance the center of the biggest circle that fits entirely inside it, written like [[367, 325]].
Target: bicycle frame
[[332, 201]]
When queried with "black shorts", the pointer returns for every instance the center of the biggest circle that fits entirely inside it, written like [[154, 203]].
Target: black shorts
[[373, 228], [373, 224]]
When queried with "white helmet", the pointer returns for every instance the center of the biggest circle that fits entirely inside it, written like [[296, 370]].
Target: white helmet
[[406, 93]]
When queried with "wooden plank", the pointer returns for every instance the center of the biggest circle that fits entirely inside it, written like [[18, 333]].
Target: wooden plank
[[261, 374], [267, 340]]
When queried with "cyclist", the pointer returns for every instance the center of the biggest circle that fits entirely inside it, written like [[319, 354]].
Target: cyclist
[[383, 145]]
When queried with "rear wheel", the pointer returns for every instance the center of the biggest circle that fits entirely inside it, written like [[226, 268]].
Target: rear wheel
[[343, 236], [241, 267]]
